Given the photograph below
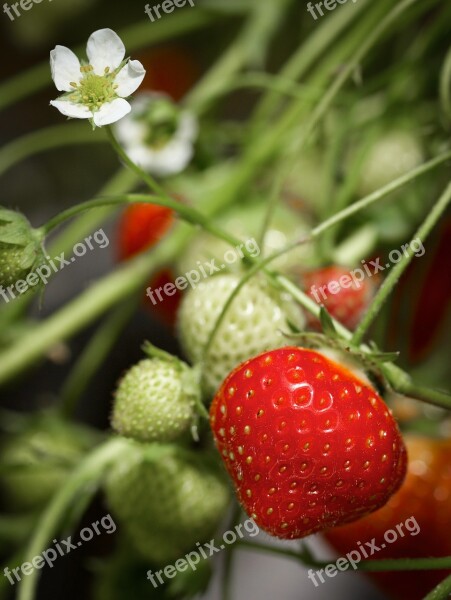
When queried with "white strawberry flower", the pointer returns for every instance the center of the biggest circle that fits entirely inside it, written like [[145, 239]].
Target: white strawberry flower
[[157, 135], [96, 90]]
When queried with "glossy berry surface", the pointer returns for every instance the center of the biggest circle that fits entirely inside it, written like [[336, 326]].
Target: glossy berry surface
[[307, 444]]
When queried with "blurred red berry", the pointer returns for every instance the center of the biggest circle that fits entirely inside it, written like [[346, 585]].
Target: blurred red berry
[[425, 495], [169, 69], [345, 298], [141, 227]]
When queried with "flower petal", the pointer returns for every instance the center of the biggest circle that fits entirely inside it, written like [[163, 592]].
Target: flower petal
[[171, 159], [188, 128], [70, 109], [129, 78], [105, 49], [129, 131], [65, 68], [111, 112]]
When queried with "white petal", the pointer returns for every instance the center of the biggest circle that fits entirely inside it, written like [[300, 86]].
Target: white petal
[[171, 159], [70, 109], [111, 112], [129, 131], [105, 49], [65, 68], [188, 128], [129, 78]]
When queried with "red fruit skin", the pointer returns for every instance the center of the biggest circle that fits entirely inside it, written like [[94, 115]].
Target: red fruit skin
[[141, 227], [425, 495], [307, 444], [169, 69], [348, 305]]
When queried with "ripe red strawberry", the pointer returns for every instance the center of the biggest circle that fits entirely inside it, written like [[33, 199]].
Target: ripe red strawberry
[[424, 495], [350, 300], [141, 227], [308, 444]]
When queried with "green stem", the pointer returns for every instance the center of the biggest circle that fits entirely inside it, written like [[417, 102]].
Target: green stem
[[90, 304], [93, 357], [56, 136], [380, 194], [393, 277], [307, 54], [445, 87], [148, 179], [351, 66], [227, 577], [135, 37], [396, 377], [85, 477], [250, 46], [374, 566], [441, 592], [89, 205], [123, 181], [189, 214], [403, 384], [266, 81]]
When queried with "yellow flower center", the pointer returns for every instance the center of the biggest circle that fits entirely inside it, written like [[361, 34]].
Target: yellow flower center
[[94, 90]]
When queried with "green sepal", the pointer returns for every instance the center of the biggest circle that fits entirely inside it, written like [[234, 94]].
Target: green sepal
[[327, 324]]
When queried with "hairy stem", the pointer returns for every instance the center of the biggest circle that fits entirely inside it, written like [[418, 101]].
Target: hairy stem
[[441, 592], [376, 566], [85, 477]]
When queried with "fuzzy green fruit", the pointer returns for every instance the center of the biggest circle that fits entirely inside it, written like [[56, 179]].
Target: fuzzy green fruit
[[20, 247], [166, 503], [253, 323], [393, 155], [37, 461], [246, 223], [156, 400]]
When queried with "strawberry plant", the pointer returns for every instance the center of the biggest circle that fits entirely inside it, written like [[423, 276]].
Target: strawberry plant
[[299, 389]]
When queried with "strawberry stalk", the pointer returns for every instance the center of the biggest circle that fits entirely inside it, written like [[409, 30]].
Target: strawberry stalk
[[441, 592], [306, 56], [395, 274], [250, 47], [445, 87], [395, 564]]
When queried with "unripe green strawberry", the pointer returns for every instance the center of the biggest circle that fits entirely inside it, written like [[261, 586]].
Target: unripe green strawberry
[[246, 223], [253, 323], [124, 576], [393, 155], [166, 502], [156, 400], [36, 461], [20, 247]]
